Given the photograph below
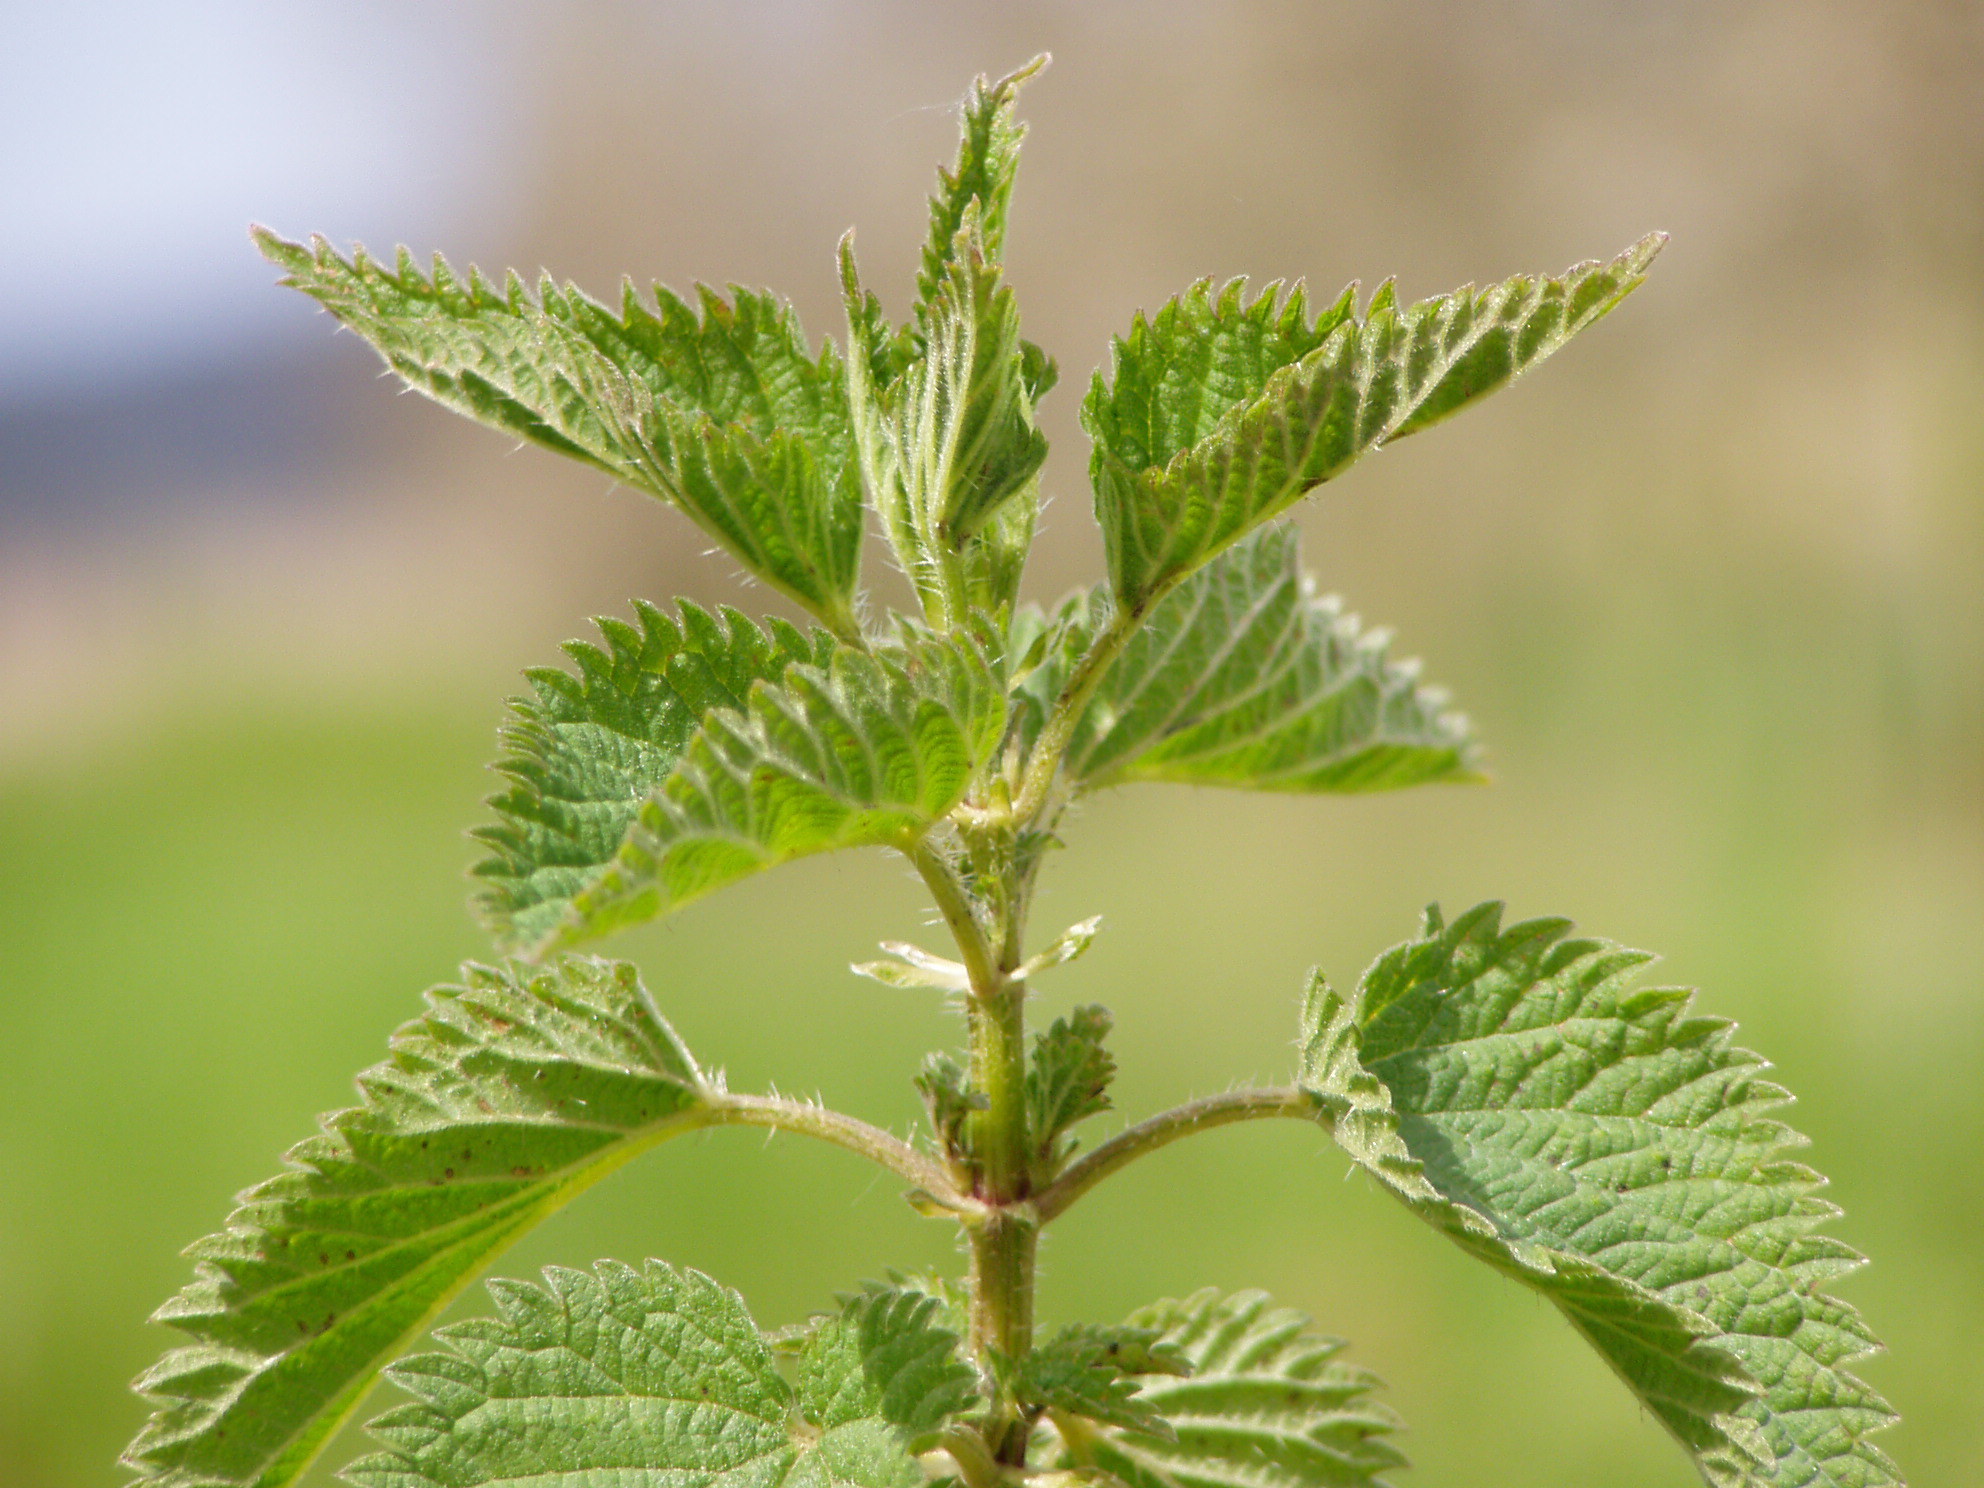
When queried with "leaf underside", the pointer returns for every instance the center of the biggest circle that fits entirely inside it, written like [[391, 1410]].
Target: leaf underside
[[871, 750], [1243, 677], [722, 408], [1220, 412], [1620, 1156], [587, 749], [515, 1091], [1261, 1402], [659, 1376]]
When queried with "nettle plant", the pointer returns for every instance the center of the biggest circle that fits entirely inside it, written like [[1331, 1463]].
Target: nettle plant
[[1512, 1085]]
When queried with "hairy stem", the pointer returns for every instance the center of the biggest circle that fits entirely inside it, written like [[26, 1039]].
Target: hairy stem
[[1162, 1130], [1004, 1240], [1059, 728], [1003, 1255], [997, 1134], [857, 1136], [981, 963], [1004, 1233]]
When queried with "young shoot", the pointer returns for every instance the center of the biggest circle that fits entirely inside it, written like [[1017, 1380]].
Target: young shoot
[[1513, 1085]]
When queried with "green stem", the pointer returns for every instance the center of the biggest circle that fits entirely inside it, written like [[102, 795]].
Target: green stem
[[996, 1134], [1004, 1233], [1059, 728], [1004, 1240], [1162, 1130], [871, 1142], [981, 963], [1003, 1254]]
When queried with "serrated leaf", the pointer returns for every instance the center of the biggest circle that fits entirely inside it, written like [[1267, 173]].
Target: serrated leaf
[[871, 750], [650, 1376], [585, 752], [722, 409], [513, 1093], [1220, 413], [1088, 1371], [887, 1356], [1261, 1401], [955, 454], [1518, 1092], [942, 410], [1068, 1078], [1243, 677], [988, 160], [947, 1099], [980, 392]]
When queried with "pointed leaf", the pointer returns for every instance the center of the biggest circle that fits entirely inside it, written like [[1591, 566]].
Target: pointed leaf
[[1262, 1401], [1068, 1078], [979, 375], [988, 160], [957, 444], [910, 966], [588, 749], [942, 411], [1221, 413], [723, 409], [886, 1356], [1088, 1371], [1621, 1156], [615, 1375], [516, 1091], [947, 1099], [1242, 677], [870, 751]]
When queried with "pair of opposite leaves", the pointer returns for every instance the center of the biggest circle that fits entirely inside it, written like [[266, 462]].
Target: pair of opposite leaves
[[752, 747]]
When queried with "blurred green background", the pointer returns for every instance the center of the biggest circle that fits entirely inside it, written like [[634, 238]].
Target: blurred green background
[[1709, 584]]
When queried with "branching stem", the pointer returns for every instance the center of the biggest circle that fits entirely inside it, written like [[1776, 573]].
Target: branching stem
[[1045, 760], [1165, 1128]]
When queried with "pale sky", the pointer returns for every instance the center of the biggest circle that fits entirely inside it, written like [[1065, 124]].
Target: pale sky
[[137, 141]]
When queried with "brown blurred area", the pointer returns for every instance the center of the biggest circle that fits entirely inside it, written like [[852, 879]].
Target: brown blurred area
[[1793, 395], [1711, 583]]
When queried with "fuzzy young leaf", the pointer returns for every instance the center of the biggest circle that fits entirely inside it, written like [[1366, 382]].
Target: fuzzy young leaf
[[657, 1375], [947, 1100], [1515, 1089], [1221, 413], [988, 160], [955, 443], [942, 410], [871, 750], [1068, 1079], [513, 1093], [984, 403], [1241, 677], [587, 750], [1253, 1397], [722, 409]]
